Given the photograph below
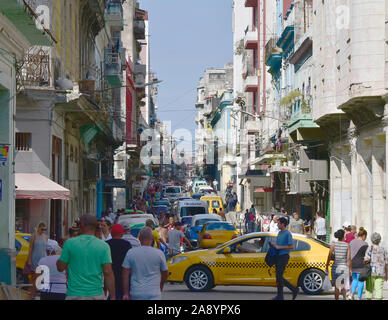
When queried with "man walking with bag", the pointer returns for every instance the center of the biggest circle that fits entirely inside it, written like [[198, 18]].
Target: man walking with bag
[[284, 244]]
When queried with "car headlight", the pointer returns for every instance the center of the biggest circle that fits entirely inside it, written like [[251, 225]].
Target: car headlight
[[178, 259]]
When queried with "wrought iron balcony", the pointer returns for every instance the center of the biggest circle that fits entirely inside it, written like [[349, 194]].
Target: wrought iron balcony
[[34, 70]]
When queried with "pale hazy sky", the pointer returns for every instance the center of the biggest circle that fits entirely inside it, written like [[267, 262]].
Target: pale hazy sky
[[186, 37]]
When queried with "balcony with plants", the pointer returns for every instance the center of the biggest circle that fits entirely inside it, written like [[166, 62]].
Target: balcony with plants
[[299, 108]]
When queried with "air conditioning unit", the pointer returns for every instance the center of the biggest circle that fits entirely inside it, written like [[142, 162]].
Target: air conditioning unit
[[299, 183], [304, 161], [318, 170]]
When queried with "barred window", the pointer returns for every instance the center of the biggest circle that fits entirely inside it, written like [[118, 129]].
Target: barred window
[[23, 141]]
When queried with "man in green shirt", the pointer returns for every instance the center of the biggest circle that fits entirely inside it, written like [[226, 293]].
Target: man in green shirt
[[87, 259]]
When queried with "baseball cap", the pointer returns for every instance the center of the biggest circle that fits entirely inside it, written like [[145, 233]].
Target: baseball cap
[[347, 224], [117, 229]]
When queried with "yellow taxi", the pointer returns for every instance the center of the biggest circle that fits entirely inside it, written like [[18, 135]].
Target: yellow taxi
[[241, 261], [214, 202], [215, 233], [22, 246]]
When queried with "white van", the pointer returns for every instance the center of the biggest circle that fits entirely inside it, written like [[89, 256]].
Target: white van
[[191, 208]]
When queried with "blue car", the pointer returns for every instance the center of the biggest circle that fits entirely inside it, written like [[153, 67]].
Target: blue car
[[159, 209], [197, 196]]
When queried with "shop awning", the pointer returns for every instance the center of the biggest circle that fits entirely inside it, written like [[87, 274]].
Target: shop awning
[[264, 190], [34, 186]]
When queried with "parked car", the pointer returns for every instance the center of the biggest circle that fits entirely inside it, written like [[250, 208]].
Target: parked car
[[198, 221], [22, 246], [186, 222], [227, 264], [137, 221], [197, 184], [206, 190], [163, 202], [215, 233], [173, 193]]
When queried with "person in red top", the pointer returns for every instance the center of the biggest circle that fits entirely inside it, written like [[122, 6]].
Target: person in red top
[[349, 235]]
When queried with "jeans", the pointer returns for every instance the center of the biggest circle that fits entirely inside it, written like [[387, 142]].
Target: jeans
[[281, 264], [357, 285]]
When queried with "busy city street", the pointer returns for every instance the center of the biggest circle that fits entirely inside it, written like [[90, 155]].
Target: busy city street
[[197, 150]]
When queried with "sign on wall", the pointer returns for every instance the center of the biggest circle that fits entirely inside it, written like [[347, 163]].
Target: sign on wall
[[3, 155]]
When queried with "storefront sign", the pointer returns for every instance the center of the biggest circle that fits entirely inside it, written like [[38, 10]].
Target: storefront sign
[[3, 155]]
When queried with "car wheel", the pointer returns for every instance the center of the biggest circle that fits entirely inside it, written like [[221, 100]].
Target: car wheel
[[199, 279], [311, 281]]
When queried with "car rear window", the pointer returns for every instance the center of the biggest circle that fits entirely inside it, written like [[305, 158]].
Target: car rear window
[[220, 227], [173, 190], [201, 222], [192, 211], [215, 204]]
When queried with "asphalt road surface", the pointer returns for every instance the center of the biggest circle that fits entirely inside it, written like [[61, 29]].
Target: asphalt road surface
[[181, 292]]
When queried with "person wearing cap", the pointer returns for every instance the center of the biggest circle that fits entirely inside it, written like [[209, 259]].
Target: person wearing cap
[[55, 289], [128, 236], [118, 248], [378, 258], [284, 244]]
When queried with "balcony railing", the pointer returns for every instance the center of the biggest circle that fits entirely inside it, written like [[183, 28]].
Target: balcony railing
[[271, 48], [115, 63], [34, 70], [114, 16]]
